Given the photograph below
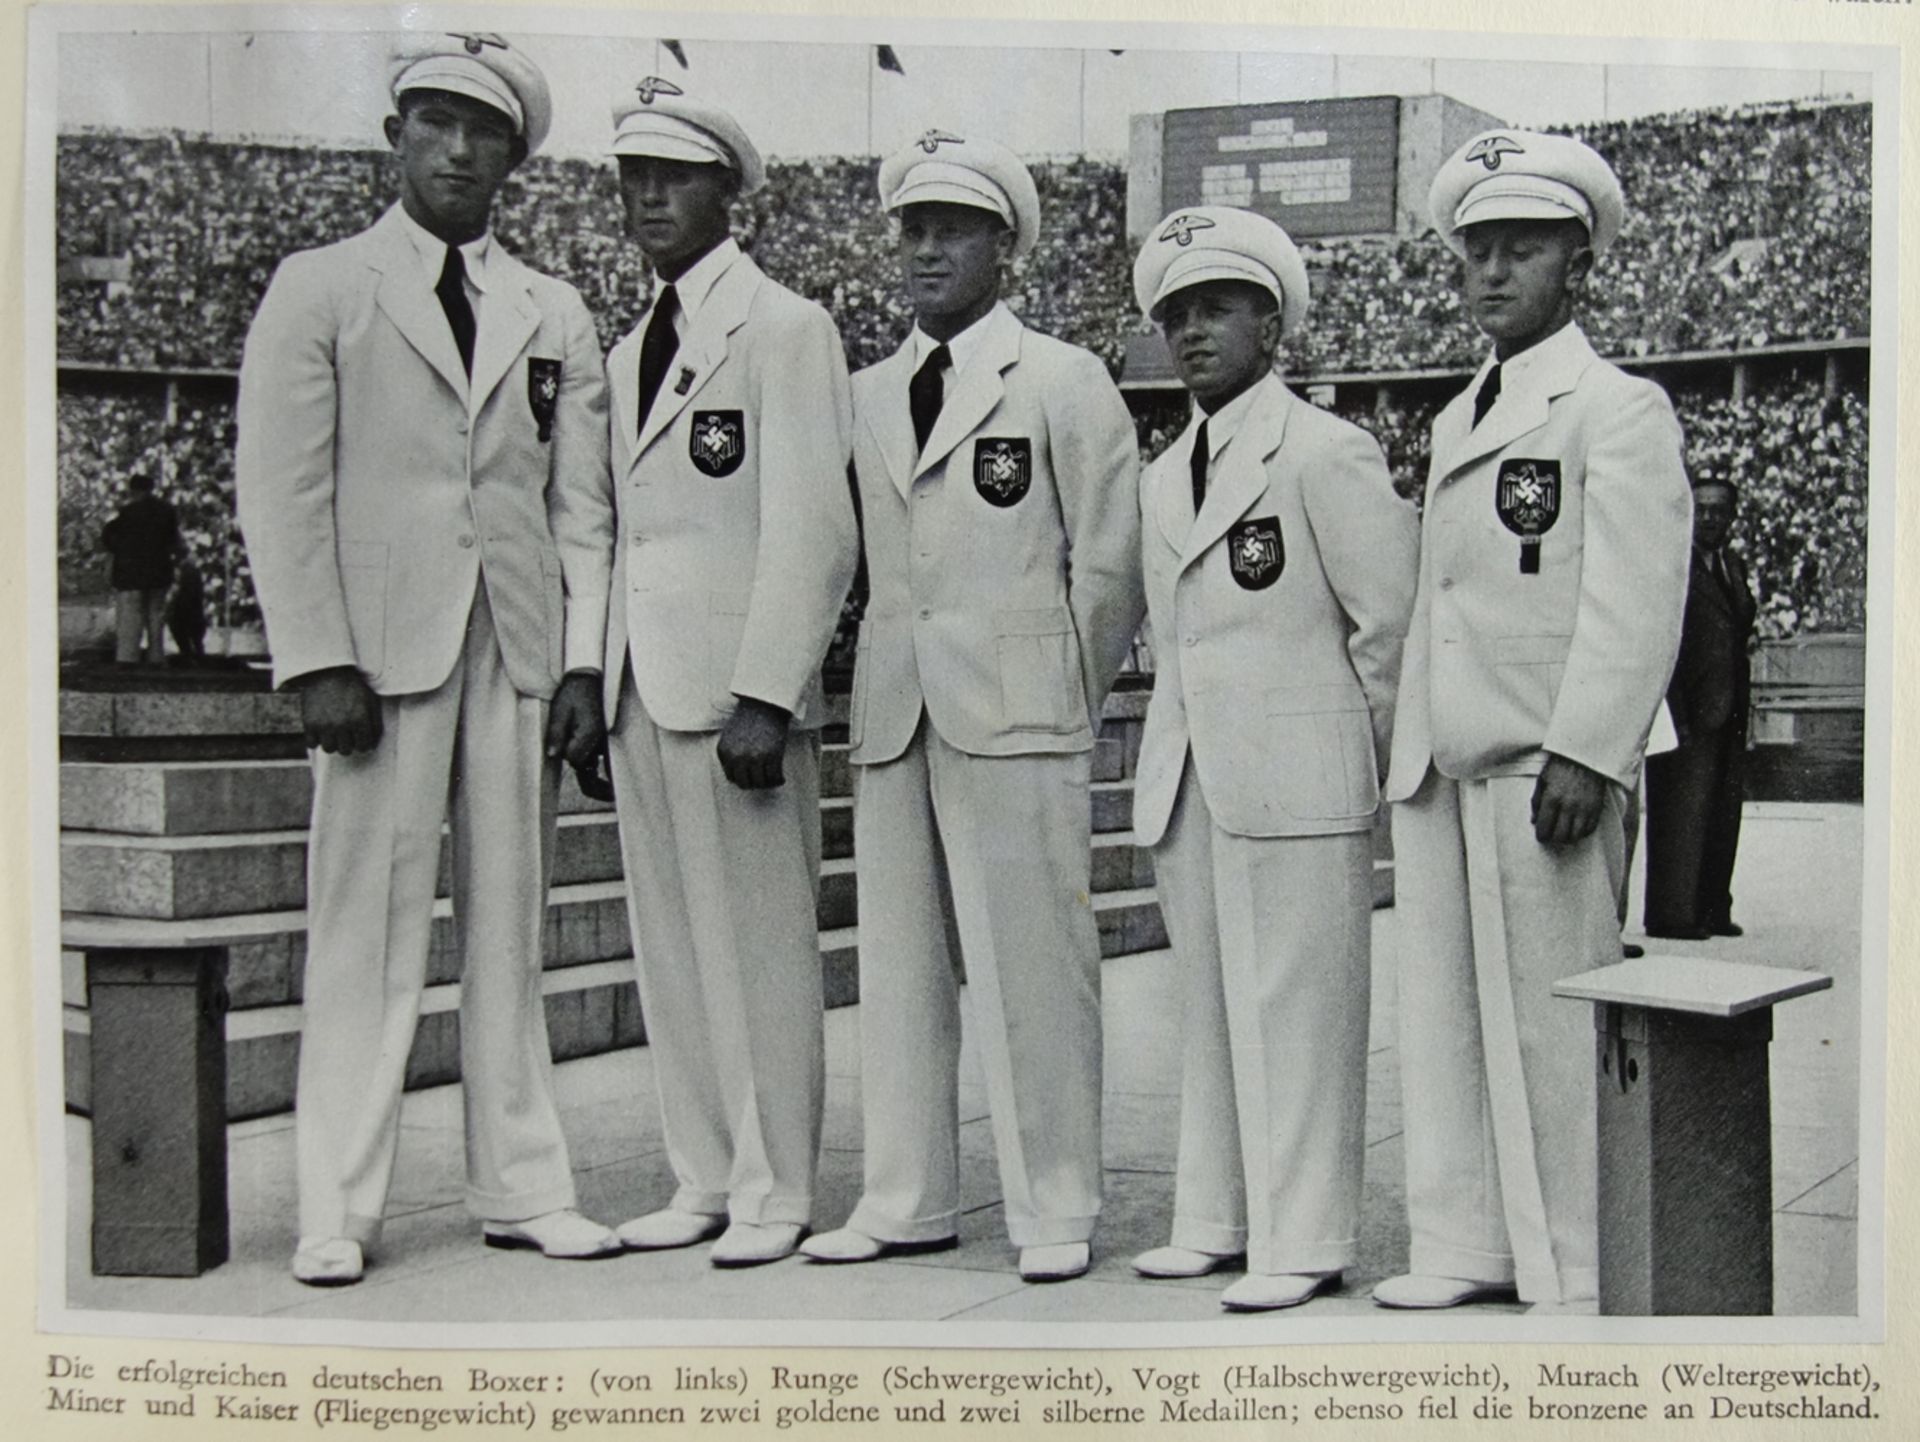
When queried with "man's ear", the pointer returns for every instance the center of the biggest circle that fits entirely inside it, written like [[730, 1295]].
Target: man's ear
[[1579, 267], [1003, 244], [517, 152], [392, 130]]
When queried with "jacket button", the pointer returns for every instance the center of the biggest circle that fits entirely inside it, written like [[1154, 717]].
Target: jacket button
[[461, 425], [1190, 640], [1446, 583], [926, 613], [466, 543]]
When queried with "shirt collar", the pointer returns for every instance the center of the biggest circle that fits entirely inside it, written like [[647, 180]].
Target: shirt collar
[[696, 283], [433, 252], [1224, 424], [961, 348]]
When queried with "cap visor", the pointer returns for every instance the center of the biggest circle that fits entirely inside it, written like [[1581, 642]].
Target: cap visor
[[946, 192]]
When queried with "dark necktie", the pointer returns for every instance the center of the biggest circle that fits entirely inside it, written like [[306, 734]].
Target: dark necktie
[[926, 392], [452, 291], [657, 349], [1721, 571], [1197, 464], [1489, 393]]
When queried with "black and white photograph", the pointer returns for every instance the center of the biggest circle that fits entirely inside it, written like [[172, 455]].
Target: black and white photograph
[[897, 683]]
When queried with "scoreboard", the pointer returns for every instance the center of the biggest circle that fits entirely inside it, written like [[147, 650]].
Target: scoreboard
[[1317, 167]]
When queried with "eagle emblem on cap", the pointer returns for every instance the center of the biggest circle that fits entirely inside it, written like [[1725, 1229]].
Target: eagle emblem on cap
[[934, 139], [654, 86], [1489, 150], [477, 40], [1181, 228]]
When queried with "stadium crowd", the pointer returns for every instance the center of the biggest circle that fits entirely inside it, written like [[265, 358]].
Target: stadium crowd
[[1749, 228]]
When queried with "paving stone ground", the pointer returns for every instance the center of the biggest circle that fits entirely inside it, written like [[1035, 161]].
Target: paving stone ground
[[1798, 895]]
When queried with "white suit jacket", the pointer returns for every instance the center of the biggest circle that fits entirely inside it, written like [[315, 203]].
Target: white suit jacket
[[1003, 561], [1278, 618], [1502, 666], [737, 540], [377, 485]]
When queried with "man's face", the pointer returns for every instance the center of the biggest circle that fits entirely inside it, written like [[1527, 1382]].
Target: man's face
[[454, 152], [1223, 334], [1713, 509], [677, 210], [951, 256], [1521, 278]]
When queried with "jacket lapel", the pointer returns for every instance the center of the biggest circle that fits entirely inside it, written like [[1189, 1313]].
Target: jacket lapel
[[978, 392], [1172, 488], [1521, 408], [1243, 469], [703, 351], [891, 417], [407, 299], [508, 320]]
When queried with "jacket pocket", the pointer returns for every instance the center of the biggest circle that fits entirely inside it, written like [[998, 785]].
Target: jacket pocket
[[1531, 667], [1039, 663], [726, 628], [1322, 743], [363, 580]]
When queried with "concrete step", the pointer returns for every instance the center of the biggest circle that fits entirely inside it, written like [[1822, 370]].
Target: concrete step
[[591, 1007]]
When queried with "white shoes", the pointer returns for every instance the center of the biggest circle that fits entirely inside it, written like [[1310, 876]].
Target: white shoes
[[662, 1230], [1056, 1263], [1269, 1292], [1181, 1262], [1419, 1292], [752, 1244], [328, 1262], [844, 1244], [564, 1235]]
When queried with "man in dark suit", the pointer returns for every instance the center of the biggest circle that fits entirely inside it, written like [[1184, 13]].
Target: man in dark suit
[[143, 538], [1694, 792]]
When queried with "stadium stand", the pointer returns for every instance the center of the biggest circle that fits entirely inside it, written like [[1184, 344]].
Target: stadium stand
[[1750, 228]]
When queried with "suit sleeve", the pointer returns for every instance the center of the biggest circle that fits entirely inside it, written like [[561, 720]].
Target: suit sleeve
[[1638, 535], [1369, 543], [580, 490], [809, 540], [1096, 468], [284, 473]]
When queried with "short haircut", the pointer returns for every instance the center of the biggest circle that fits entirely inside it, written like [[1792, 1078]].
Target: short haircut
[[140, 481], [1721, 481]]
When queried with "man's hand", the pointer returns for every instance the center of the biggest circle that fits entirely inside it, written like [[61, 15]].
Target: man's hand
[[1567, 800], [753, 745], [577, 732], [339, 711]]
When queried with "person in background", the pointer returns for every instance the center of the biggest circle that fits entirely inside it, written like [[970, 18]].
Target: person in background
[[143, 538], [1695, 791]]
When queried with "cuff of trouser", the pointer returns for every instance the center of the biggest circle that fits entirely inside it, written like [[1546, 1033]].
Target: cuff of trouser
[[1301, 1257], [1573, 1284], [701, 1204], [798, 1210], [872, 1222], [1049, 1231], [364, 1230], [1429, 1258], [1215, 1238], [519, 1206]]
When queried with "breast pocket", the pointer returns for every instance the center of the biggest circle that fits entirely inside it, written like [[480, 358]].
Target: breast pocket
[[1039, 662], [363, 578], [1322, 743]]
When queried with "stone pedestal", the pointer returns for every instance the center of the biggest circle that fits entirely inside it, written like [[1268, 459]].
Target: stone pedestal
[[158, 1089], [1685, 1132]]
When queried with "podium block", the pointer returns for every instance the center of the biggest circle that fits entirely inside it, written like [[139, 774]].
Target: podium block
[[1683, 1102], [159, 1079]]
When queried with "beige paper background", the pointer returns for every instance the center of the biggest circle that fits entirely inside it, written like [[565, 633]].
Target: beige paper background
[[24, 1352]]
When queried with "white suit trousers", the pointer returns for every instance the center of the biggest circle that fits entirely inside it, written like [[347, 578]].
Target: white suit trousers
[[1273, 941], [1005, 837], [1497, 1072], [721, 888], [471, 751]]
